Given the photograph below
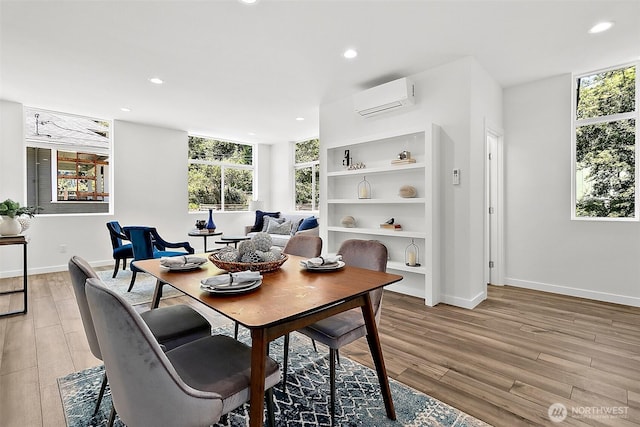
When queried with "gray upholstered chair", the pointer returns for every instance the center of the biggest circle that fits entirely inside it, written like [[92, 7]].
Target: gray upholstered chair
[[191, 385], [171, 326], [304, 245], [344, 328]]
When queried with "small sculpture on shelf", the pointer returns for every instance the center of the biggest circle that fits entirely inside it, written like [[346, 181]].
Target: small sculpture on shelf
[[408, 191], [404, 157], [201, 224], [346, 162], [348, 221], [356, 166], [391, 225]]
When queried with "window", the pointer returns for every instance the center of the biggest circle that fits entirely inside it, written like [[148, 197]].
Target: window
[[605, 145], [307, 175], [220, 175], [67, 162]]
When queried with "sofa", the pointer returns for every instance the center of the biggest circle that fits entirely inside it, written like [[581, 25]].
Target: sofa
[[281, 226]]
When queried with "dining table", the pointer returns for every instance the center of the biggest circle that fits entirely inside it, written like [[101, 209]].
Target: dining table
[[288, 299]]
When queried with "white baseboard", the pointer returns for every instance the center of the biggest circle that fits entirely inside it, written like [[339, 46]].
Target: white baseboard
[[574, 292], [50, 269], [463, 302]]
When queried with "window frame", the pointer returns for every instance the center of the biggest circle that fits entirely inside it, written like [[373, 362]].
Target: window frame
[[223, 167], [315, 168], [576, 123], [57, 145]]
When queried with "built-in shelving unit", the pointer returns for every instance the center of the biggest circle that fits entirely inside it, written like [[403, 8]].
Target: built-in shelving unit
[[418, 216]]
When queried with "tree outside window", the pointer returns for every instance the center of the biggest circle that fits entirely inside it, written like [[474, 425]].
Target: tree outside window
[[307, 175], [605, 149], [220, 175]]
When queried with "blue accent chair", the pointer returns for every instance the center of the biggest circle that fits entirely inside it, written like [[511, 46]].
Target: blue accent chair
[[147, 244], [121, 251]]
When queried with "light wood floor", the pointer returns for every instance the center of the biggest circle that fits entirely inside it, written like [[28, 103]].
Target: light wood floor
[[504, 362]]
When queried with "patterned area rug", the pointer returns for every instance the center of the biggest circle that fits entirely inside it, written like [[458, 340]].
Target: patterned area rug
[[306, 401], [143, 288]]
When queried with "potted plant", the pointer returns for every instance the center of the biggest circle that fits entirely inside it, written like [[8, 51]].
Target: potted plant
[[15, 218]]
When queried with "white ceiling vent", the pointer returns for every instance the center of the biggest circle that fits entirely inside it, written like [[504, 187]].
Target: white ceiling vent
[[386, 97]]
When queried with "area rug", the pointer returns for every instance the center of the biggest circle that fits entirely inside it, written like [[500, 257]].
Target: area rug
[[304, 404], [143, 288]]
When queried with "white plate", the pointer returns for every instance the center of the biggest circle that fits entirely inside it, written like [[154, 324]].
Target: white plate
[[236, 289], [186, 267], [331, 267]]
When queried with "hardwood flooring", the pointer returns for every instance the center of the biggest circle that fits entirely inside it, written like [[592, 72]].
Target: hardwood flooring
[[505, 362]]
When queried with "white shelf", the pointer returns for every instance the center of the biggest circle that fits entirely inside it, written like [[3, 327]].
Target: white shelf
[[401, 266], [423, 213], [388, 200], [382, 169], [379, 232]]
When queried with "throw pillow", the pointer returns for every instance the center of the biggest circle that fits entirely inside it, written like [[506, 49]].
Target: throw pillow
[[275, 228], [295, 223], [308, 223], [257, 226], [266, 222]]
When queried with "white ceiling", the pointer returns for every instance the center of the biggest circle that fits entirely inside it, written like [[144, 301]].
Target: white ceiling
[[231, 69]]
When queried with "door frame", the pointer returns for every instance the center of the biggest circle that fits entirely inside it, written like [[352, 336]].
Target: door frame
[[497, 235]]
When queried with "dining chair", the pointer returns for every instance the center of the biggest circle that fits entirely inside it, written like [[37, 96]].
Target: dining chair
[[121, 251], [305, 246], [148, 244], [191, 385], [344, 328], [171, 326]]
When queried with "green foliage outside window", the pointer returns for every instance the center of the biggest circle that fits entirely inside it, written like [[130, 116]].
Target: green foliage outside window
[[214, 181], [307, 175], [605, 144]]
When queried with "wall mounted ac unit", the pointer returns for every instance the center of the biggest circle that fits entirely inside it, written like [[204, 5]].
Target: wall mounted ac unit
[[386, 97]]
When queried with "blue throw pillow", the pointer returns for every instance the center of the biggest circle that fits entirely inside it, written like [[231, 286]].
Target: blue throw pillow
[[257, 226], [308, 223]]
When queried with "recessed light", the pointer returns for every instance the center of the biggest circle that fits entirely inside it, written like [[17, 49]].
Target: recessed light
[[299, 119], [156, 80], [350, 53], [600, 27], [125, 109], [252, 134], [249, 1]]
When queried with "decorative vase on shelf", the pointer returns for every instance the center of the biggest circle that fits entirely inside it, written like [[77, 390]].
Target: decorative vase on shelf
[[211, 226], [10, 226]]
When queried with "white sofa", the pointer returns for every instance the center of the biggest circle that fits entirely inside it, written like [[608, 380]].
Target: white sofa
[[282, 239]]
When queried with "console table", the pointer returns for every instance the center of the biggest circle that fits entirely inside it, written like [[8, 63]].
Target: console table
[[17, 240]]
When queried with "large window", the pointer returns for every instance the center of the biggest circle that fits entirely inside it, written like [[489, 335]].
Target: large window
[[606, 144], [67, 162], [220, 175], [307, 175]]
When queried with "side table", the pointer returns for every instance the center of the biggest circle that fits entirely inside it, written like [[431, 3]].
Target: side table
[[204, 234], [232, 240], [17, 240]]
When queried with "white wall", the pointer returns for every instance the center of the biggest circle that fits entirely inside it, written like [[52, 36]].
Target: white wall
[[458, 97], [545, 249], [150, 188]]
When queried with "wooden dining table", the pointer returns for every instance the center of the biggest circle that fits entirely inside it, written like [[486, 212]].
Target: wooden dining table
[[288, 299]]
